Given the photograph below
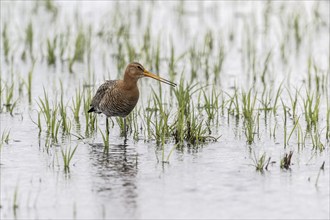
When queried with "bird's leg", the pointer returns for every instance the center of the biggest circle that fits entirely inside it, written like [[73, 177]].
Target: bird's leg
[[107, 126], [125, 129]]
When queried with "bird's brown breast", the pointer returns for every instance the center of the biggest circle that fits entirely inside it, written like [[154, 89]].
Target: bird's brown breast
[[119, 100]]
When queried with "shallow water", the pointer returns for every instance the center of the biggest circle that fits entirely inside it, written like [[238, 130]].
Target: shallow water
[[214, 180]]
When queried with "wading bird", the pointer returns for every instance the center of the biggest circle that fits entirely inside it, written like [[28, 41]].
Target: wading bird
[[119, 97]]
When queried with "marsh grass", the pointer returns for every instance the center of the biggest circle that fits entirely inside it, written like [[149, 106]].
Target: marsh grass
[[292, 130], [9, 94], [277, 98], [51, 47], [195, 131], [160, 123], [67, 156], [265, 101], [294, 102], [6, 44], [65, 120], [9, 104], [90, 119], [311, 110], [105, 138], [5, 137], [45, 108], [55, 124], [76, 104], [286, 160], [169, 154], [51, 7], [266, 67], [29, 38], [234, 105], [316, 140], [148, 116], [28, 83], [182, 120], [211, 105], [248, 108], [260, 162], [120, 122], [285, 123], [50, 116], [79, 50], [183, 96], [218, 66]]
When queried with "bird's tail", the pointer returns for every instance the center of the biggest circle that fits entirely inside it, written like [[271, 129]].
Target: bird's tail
[[92, 109]]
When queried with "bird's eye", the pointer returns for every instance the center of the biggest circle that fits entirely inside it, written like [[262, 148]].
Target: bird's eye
[[140, 68]]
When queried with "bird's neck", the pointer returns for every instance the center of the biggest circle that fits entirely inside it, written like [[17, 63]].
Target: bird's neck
[[129, 82]]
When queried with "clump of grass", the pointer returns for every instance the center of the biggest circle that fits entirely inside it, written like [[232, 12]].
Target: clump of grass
[[6, 46], [76, 104], [277, 97], [157, 55], [134, 124], [51, 7], [120, 122], [55, 124], [311, 108], [220, 60], [50, 116], [265, 69], [29, 38], [80, 47], [285, 123], [51, 47], [265, 101], [294, 127], [183, 95], [66, 125], [9, 94], [260, 163], [90, 119], [294, 101], [297, 33], [29, 83], [148, 115], [105, 136], [67, 156], [161, 127], [195, 131], [286, 160], [248, 107], [10, 104], [316, 140], [45, 108], [211, 105], [233, 105], [169, 154], [5, 137]]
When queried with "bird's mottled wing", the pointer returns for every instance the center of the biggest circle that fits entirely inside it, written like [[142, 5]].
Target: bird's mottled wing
[[109, 84]]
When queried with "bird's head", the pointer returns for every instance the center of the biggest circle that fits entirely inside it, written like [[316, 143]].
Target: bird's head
[[136, 71]]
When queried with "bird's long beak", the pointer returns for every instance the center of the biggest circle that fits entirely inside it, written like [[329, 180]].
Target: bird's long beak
[[151, 75]]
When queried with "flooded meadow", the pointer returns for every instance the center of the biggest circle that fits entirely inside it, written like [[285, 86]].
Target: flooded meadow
[[245, 134]]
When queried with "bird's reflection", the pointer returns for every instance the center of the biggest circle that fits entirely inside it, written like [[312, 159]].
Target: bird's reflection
[[115, 173]]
